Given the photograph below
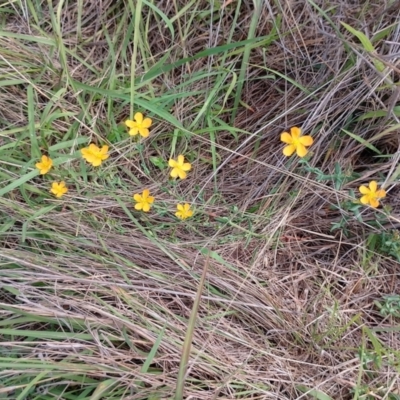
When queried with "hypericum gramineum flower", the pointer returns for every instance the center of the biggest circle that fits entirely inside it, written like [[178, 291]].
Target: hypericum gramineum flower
[[295, 142], [44, 165], [371, 194], [94, 154], [179, 167], [183, 211], [143, 201], [139, 125], [58, 189]]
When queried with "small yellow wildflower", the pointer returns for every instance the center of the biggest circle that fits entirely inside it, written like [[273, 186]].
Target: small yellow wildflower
[[45, 165], [140, 125], [296, 142], [179, 167], [58, 189], [143, 201], [94, 154], [371, 195], [183, 211]]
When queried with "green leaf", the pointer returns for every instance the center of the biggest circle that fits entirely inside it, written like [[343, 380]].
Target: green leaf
[[102, 389], [362, 141], [376, 344], [157, 70], [24, 394], [159, 162], [368, 46], [35, 151], [366, 43], [167, 21], [379, 114], [18, 182], [317, 394], [145, 104]]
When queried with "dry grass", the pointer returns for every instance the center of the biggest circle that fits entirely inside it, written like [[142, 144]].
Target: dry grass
[[95, 298]]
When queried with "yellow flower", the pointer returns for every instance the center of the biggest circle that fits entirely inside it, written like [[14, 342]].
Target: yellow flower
[[371, 195], [143, 201], [95, 155], [45, 165], [295, 142], [183, 211], [58, 189], [179, 167], [140, 125]]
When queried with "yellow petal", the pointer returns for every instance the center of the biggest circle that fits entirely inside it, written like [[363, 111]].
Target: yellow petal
[[137, 197], [144, 132], [138, 117], [301, 150], [179, 207], [88, 156], [181, 159], [186, 167], [146, 194], [130, 124], [381, 193], [373, 186], [364, 199], [374, 203], [175, 172], [306, 140], [289, 150], [134, 131], [146, 207], [147, 123], [138, 206], [44, 165], [182, 174], [286, 138], [295, 132], [172, 163], [104, 149], [93, 148], [363, 190], [92, 159], [58, 189]]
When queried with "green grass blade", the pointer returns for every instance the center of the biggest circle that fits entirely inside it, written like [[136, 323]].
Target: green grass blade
[[362, 141], [368, 46], [18, 182], [366, 43], [35, 151], [180, 383], [31, 384], [250, 43], [102, 389], [314, 393], [246, 55]]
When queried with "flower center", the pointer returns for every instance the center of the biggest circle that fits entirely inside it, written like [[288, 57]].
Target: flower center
[[296, 142]]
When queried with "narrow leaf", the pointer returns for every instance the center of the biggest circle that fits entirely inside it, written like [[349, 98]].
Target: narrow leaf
[[362, 141]]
